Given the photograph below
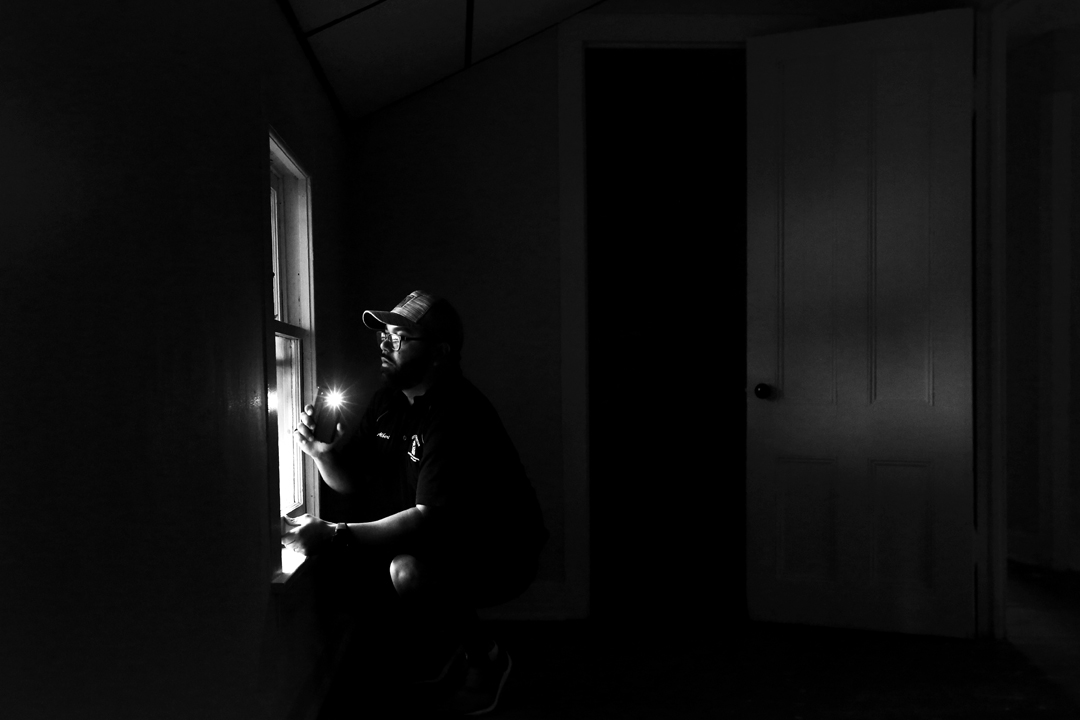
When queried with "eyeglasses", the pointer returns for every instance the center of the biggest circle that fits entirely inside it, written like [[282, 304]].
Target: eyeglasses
[[394, 340]]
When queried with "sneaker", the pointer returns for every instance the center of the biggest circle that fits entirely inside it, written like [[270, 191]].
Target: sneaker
[[484, 682]]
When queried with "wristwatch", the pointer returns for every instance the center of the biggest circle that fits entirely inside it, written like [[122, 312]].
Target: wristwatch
[[341, 533]]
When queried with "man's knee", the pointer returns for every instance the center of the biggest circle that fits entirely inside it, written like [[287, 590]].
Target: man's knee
[[406, 574]]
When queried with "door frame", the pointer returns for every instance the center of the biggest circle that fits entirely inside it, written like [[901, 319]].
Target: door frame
[[996, 21], [731, 31], [991, 529], [606, 31]]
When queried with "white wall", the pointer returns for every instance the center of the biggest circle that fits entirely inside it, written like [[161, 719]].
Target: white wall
[[132, 275], [458, 194]]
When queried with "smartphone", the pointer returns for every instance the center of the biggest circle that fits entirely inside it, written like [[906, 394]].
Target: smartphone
[[327, 414]]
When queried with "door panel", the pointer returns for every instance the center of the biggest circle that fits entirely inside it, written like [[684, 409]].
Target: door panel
[[859, 469]]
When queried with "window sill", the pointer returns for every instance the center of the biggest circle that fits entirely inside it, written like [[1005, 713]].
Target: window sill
[[292, 566]]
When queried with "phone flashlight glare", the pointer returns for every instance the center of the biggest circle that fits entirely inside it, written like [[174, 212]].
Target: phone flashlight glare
[[327, 412]]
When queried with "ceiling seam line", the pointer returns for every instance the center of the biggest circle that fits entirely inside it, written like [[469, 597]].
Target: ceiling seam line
[[485, 58], [468, 31], [343, 18], [512, 45], [313, 60]]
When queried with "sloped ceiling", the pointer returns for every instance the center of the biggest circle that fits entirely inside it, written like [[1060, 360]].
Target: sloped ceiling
[[374, 52]]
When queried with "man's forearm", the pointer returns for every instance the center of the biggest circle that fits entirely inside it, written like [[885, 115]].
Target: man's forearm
[[333, 474], [393, 529]]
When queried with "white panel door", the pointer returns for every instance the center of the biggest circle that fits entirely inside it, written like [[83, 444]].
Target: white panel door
[[860, 465]]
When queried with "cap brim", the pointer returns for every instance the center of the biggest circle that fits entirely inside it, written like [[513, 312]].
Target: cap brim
[[379, 319]]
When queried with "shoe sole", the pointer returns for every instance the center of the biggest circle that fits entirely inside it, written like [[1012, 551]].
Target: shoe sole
[[498, 692]]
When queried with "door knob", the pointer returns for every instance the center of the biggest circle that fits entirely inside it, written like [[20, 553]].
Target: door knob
[[764, 391]]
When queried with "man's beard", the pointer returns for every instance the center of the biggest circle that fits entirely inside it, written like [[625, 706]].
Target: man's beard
[[408, 374]]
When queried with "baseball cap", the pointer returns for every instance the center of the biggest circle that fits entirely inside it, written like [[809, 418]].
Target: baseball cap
[[428, 314]]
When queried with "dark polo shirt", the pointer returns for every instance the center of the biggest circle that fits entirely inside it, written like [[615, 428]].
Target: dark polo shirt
[[449, 450]]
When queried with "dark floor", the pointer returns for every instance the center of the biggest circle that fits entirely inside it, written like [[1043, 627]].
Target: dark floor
[[579, 669], [775, 672], [1044, 623]]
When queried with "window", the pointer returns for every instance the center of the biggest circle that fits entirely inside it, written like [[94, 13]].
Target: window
[[291, 340]]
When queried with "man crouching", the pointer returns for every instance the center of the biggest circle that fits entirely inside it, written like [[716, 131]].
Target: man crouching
[[459, 525]]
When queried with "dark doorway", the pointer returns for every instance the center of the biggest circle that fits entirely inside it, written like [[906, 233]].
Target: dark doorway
[[666, 184]]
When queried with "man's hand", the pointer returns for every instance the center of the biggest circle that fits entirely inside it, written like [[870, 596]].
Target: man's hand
[[306, 534], [305, 435]]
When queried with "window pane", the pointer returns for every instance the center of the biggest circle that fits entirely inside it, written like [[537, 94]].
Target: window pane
[[287, 403], [275, 222]]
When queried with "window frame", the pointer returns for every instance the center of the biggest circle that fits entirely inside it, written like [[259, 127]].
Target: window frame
[[290, 313]]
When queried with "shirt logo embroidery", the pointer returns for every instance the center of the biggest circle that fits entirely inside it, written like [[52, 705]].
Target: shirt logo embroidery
[[414, 451], [384, 436]]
